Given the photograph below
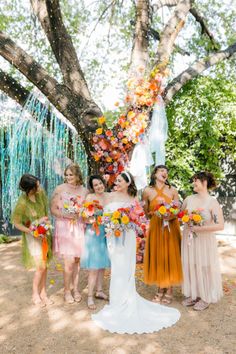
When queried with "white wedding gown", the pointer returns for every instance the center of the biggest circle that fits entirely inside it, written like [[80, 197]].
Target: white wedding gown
[[128, 312]]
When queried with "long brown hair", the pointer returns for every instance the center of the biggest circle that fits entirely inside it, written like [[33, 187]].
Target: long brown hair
[[132, 189], [75, 169], [153, 176]]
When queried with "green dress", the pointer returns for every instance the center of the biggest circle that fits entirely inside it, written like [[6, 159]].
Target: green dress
[[25, 213]]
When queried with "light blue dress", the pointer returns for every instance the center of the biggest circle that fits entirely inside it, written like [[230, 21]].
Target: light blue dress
[[95, 254]]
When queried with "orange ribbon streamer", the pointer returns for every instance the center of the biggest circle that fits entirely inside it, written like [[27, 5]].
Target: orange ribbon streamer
[[96, 228], [45, 248]]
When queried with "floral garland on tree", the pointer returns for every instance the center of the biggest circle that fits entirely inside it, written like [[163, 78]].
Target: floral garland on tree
[[112, 146]]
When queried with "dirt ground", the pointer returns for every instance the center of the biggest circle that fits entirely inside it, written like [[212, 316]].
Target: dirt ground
[[68, 329]]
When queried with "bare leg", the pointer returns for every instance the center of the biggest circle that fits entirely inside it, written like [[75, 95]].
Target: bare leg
[[68, 271], [99, 293], [92, 280], [37, 280], [75, 280], [167, 298]]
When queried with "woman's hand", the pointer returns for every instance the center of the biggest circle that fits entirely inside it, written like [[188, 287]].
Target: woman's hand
[[44, 219]]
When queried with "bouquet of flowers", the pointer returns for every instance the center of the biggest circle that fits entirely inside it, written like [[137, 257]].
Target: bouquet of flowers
[[167, 211], [41, 230], [124, 219], [191, 219], [73, 205], [92, 211]]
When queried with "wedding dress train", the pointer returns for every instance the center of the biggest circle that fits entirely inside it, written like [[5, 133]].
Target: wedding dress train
[[128, 312]]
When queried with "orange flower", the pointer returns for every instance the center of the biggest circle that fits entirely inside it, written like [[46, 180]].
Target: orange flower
[[153, 86], [128, 98], [124, 141], [108, 159], [117, 233], [109, 133]]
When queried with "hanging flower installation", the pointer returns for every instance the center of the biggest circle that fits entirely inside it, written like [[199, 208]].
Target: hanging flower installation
[[112, 146]]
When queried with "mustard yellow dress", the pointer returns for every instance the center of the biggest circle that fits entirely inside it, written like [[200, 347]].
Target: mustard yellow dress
[[162, 260]]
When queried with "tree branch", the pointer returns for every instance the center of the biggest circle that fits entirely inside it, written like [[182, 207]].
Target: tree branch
[[12, 88], [50, 17], [171, 31], [79, 111], [197, 68], [170, 3], [139, 55]]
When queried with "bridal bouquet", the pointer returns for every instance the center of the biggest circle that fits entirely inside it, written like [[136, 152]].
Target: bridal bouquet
[[92, 211], [124, 219], [191, 219], [73, 205]]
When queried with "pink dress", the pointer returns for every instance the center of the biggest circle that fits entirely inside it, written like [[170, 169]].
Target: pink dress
[[68, 238]]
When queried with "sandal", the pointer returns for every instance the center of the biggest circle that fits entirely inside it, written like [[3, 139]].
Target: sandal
[[189, 302], [101, 296], [69, 298], [167, 299], [77, 296], [91, 305], [201, 305], [157, 298]]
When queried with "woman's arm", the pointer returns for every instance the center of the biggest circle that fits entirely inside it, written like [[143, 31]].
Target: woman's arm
[[145, 199], [217, 223], [55, 203]]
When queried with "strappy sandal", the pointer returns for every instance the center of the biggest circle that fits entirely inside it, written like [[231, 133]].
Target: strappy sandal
[[158, 297], [189, 302], [91, 305], [167, 299], [77, 296], [201, 305], [101, 296]]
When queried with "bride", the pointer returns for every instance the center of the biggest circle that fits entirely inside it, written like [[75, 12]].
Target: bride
[[128, 312]]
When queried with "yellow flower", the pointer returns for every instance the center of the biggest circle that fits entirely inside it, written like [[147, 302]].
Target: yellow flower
[[185, 218], [116, 214], [124, 141], [52, 281], [162, 210], [66, 206], [125, 219], [115, 221], [131, 114], [108, 159], [99, 131], [101, 120], [197, 218], [107, 214]]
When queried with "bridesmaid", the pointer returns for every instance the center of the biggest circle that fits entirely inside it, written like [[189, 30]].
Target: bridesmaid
[[202, 279], [32, 205], [95, 257], [162, 260], [69, 230]]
